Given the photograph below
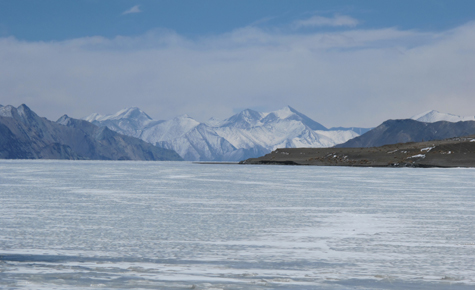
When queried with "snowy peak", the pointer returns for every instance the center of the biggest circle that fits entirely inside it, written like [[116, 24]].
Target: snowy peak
[[213, 122], [250, 118], [8, 111], [94, 117], [130, 121], [289, 113], [22, 113], [132, 114], [435, 116], [183, 121], [169, 130], [245, 119], [285, 112], [64, 120], [307, 121]]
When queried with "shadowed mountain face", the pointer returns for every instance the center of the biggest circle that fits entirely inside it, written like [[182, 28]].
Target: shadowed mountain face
[[25, 135], [408, 130]]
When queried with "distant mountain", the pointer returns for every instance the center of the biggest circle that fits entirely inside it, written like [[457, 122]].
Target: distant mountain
[[282, 128], [436, 116], [408, 130], [130, 122], [244, 135], [358, 130], [25, 135]]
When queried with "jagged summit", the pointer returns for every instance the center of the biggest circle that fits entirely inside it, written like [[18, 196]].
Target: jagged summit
[[22, 113], [63, 119], [94, 117], [130, 121], [7, 111], [436, 116], [245, 119], [132, 113], [289, 113], [283, 113]]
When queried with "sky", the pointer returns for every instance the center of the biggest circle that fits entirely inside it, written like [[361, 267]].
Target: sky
[[342, 63]]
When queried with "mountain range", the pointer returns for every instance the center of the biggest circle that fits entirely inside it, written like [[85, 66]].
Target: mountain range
[[131, 134], [25, 135], [243, 135]]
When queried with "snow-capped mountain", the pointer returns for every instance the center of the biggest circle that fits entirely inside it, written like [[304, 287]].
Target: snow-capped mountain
[[435, 116], [25, 135], [283, 128], [244, 135], [130, 121]]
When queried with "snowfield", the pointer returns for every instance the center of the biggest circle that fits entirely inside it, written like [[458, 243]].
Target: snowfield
[[178, 225]]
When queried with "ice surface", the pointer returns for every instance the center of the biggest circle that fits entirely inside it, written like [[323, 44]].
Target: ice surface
[[177, 225]]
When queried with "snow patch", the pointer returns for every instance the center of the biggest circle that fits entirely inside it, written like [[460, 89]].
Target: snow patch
[[417, 156], [428, 149]]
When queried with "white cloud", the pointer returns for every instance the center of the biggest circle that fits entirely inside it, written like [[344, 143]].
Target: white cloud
[[351, 78], [135, 9], [316, 21]]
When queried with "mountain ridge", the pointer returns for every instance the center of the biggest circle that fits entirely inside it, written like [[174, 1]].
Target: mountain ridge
[[25, 135], [409, 130]]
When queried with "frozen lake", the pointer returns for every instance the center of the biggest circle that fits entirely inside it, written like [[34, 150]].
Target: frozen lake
[[178, 225]]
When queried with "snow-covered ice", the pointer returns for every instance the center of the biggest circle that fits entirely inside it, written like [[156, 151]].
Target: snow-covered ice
[[178, 225]]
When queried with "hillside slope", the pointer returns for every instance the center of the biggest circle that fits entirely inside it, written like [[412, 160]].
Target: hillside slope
[[408, 130]]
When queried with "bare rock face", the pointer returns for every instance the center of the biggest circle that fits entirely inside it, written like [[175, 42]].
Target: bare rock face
[[25, 135]]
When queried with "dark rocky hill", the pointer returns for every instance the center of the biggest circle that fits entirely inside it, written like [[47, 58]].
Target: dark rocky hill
[[454, 152], [408, 130], [25, 135]]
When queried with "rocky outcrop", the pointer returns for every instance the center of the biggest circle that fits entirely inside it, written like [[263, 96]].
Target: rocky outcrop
[[454, 152]]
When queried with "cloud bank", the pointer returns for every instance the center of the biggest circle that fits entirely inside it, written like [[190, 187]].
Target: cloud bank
[[344, 78]]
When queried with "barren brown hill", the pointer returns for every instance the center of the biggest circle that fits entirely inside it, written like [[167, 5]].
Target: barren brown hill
[[454, 152]]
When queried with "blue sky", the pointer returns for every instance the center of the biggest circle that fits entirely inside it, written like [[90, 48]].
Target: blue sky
[[343, 63], [48, 20]]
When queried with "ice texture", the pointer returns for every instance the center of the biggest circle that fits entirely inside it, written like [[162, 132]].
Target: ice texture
[[179, 225]]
